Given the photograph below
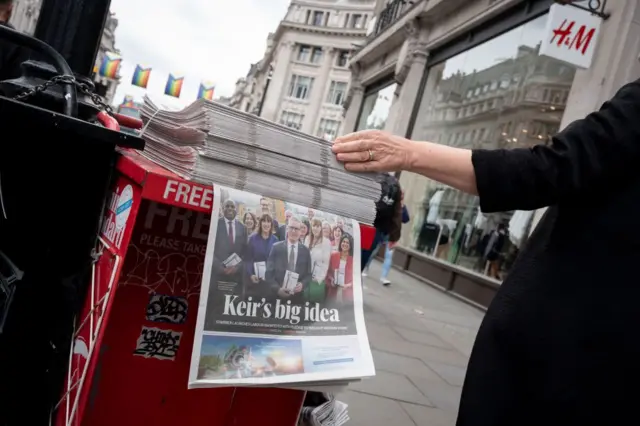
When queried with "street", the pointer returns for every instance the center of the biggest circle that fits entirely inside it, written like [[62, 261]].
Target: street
[[421, 339]]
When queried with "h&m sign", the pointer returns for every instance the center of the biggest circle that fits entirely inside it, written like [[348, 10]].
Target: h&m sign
[[571, 35]]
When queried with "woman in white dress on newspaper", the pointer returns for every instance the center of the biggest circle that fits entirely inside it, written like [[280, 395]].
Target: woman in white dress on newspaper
[[320, 248]]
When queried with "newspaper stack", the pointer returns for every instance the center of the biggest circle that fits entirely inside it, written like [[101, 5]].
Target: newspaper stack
[[210, 142]]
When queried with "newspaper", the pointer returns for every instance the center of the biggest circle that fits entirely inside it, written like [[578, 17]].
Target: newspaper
[[281, 299]]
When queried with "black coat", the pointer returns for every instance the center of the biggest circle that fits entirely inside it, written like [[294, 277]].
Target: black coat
[[223, 249], [277, 268], [560, 343]]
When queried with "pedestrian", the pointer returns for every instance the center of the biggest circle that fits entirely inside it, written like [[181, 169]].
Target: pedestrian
[[388, 221], [11, 55], [559, 343], [388, 252]]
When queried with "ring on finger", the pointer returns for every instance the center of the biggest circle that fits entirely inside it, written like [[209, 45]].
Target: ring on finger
[[370, 155]]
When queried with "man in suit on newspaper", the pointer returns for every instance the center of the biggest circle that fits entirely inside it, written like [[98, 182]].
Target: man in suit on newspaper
[[293, 257], [230, 246]]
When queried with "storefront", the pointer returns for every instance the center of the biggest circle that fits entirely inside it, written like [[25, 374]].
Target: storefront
[[487, 86], [376, 105]]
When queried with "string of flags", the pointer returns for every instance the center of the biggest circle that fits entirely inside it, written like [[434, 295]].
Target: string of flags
[[111, 64]]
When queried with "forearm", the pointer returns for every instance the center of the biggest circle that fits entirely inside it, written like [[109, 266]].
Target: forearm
[[445, 164]]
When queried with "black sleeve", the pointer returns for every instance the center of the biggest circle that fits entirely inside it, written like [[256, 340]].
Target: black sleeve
[[602, 148]]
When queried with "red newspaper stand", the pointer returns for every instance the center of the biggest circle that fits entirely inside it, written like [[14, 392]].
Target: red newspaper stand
[[131, 354]]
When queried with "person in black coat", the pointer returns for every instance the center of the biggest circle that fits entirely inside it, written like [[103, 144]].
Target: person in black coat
[[231, 238], [289, 255], [559, 344]]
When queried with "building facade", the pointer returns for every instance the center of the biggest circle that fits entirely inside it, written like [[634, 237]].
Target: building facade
[[303, 78], [469, 73], [25, 17]]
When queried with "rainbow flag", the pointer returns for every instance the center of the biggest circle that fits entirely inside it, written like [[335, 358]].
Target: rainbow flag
[[174, 86], [110, 65], [141, 77], [128, 101], [206, 91]]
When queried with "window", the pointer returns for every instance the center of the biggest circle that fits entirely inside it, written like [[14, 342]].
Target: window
[[375, 108], [291, 119], [337, 93], [488, 69], [357, 21], [317, 18], [342, 58], [309, 54], [316, 55], [304, 53], [328, 129], [300, 87]]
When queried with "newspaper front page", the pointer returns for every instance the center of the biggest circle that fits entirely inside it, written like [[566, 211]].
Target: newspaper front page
[[281, 298]]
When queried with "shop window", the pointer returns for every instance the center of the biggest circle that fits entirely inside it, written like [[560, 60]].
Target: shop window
[[375, 108], [446, 223]]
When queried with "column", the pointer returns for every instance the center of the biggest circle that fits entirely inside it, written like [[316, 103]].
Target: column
[[353, 105], [409, 74], [615, 63], [318, 92], [279, 81]]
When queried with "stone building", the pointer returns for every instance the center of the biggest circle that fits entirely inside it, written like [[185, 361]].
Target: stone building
[[303, 78], [469, 73]]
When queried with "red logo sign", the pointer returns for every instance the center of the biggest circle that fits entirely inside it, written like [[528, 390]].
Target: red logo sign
[[580, 40]]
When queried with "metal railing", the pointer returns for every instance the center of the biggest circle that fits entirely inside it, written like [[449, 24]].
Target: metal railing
[[390, 14]]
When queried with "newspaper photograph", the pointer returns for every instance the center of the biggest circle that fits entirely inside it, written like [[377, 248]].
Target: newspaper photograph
[[281, 298]]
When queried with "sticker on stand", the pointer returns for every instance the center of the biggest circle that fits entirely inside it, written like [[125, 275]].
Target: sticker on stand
[[158, 343], [123, 207], [169, 309]]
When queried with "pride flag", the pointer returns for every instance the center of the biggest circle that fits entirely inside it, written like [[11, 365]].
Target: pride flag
[[110, 65], [174, 86], [128, 101], [206, 91], [141, 77]]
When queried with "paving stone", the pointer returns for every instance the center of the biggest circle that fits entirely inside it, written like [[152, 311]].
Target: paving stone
[[423, 337], [369, 410], [393, 386], [450, 373], [426, 416], [416, 350], [442, 395], [399, 364]]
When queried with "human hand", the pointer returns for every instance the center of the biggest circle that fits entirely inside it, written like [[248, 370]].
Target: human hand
[[392, 244], [373, 151], [254, 279], [348, 285], [298, 288], [284, 293]]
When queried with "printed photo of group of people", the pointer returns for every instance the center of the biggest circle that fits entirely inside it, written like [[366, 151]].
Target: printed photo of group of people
[[270, 249]]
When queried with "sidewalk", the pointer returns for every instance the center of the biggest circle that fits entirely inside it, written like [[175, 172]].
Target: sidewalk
[[421, 340]]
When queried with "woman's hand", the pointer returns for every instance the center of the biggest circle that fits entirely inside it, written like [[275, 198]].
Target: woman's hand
[[373, 151]]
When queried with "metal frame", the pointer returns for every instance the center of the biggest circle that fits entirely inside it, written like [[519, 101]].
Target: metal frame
[[596, 7]]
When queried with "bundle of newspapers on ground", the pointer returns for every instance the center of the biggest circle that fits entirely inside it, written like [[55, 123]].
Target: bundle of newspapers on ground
[[208, 142]]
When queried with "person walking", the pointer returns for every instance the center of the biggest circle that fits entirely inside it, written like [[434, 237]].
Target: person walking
[[388, 221], [388, 252], [558, 344]]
